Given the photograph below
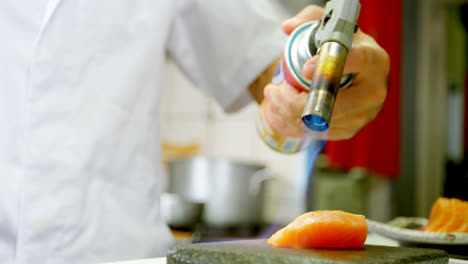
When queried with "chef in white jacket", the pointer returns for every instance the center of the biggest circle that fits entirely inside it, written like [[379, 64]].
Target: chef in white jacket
[[80, 84]]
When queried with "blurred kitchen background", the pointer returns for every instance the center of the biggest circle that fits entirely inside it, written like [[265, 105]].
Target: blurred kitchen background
[[414, 152]]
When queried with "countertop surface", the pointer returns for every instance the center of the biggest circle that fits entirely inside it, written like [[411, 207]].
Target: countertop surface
[[372, 239]]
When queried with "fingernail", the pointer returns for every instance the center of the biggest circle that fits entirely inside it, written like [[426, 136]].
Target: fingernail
[[291, 20]]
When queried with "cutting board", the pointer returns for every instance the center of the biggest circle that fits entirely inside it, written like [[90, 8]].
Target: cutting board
[[258, 251]]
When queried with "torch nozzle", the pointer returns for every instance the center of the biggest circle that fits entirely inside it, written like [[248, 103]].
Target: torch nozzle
[[324, 86]]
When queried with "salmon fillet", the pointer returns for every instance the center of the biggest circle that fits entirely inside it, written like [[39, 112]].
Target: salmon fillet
[[323, 229], [448, 215]]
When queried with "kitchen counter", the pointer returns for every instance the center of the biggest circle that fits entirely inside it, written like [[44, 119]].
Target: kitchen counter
[[372, 239]]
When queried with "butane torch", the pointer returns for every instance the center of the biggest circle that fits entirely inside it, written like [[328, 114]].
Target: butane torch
[[331, 38], [334, 38]]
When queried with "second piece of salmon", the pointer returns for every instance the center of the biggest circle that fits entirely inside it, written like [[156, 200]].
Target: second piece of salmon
[[448, 215]]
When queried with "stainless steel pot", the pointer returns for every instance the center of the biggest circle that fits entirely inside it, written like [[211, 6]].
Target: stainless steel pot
[[231, 191], [179, 212]]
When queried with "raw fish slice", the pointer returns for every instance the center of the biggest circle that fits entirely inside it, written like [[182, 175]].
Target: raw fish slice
[[464, 227], [323, 229], [457, 217], [440, 215], [448, 215]]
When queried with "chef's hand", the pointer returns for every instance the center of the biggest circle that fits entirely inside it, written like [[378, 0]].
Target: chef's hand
[[355, 106]]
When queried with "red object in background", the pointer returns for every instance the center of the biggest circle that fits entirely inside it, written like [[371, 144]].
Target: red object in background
[[377, 146]]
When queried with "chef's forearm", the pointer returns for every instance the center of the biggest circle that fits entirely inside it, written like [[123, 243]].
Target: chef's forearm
[[257, 86]]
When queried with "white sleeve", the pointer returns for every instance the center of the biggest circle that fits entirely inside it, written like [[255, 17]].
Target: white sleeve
[[222, 46]]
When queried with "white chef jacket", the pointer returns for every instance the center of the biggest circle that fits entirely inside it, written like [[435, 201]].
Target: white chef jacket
[[79, 137]]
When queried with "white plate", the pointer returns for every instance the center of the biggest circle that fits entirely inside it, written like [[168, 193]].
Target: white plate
[[399, 229]]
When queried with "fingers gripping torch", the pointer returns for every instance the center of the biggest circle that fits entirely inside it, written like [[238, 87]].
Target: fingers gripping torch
[[331, 38], [334, 38]]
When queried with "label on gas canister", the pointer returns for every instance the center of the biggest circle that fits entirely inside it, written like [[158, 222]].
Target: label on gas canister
[[274, 139]]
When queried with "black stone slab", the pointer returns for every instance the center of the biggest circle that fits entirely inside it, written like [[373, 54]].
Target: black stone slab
[[258, 251]]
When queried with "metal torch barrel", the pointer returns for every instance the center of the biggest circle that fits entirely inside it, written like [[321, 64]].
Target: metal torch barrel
[[324, 87]]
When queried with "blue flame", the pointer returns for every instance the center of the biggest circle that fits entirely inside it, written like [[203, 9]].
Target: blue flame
[[315, 147]]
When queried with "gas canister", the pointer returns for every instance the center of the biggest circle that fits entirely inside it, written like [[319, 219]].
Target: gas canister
[[300, 47]]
